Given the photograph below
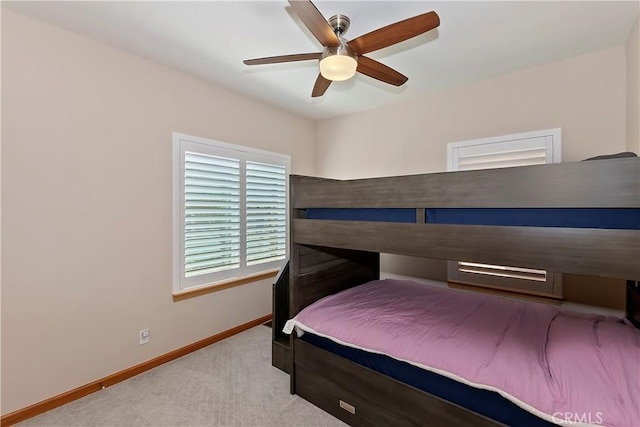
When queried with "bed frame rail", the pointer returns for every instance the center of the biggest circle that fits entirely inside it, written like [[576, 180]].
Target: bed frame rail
[[594, 252], [596, 184]]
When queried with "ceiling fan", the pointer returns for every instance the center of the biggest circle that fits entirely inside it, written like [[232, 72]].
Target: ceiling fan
[[340, 58]]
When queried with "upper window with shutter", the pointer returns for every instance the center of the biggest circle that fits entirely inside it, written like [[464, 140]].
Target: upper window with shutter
[[230, 211], [532, 148]]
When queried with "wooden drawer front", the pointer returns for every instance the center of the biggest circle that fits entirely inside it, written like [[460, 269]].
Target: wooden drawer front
[[324, 379], [351, 408]]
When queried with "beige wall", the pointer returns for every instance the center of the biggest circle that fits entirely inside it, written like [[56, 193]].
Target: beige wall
[[87, 206], [633, 89], [584, 95]]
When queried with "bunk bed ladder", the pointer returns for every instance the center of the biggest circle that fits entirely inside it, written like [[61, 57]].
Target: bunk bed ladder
[[280, 346]]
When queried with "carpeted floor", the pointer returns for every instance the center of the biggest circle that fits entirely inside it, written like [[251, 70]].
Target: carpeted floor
[[230, 383]]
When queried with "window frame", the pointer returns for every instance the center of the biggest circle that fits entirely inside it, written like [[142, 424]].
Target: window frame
[[183, 143]]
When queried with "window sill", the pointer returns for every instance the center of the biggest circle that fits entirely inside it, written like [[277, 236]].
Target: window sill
[[219, 286]]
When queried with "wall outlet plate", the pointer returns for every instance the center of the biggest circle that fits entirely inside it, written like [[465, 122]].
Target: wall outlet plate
[[144, 336]]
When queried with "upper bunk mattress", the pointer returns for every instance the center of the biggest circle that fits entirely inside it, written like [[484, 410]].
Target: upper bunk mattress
[[559, 365]]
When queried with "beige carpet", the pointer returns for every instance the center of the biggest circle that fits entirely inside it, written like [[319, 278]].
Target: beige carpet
[[230, 383]]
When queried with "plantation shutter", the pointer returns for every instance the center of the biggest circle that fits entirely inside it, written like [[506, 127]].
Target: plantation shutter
[[522, 152], [515, 150], [266, 213], [230, 212], [211, 214]]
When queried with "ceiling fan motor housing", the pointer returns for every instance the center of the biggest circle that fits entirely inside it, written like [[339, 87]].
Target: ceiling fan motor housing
[[340, 24]]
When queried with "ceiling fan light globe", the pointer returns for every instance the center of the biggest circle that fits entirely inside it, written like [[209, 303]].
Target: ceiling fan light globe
[[338, 67]]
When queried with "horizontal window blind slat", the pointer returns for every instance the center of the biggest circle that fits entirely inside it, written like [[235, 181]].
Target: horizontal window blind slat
[[274, 241], [497, 165], [512, 162], [266, 178], [212, 199], [267, 217], [264, 254], [265, 260], [193, 192], [265, 191], [213, 220], [198, 232], [264, 167], [259, 234], [213, 262], [257, 210], [204, 269], [205, 229], [504, 154], [265, 227], [221, 211], [210, 204], [265, 202], [276, 196], [221, 181], [204, 252], [271, 197], [212, 245], [210, 161], [211, 257]]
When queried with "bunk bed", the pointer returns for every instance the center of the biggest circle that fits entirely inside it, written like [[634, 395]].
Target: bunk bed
[[580, 217]]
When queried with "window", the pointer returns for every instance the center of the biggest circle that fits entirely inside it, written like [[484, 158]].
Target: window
[[230, 211], [525, 149]]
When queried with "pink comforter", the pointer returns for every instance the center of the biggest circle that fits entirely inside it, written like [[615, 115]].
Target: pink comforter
[[562, 366]]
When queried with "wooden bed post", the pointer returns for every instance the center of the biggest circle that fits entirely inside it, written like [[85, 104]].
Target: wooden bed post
[[633, 302]]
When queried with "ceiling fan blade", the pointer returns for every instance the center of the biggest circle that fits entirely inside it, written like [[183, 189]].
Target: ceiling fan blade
[[320, 87], [315, 22], [379, 71], [395, 33], [283, 58]]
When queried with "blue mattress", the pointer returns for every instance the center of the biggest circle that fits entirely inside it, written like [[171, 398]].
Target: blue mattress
[[484, 402], [364, 214], [608, 218]]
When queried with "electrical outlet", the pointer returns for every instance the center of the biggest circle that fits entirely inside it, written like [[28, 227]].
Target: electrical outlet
[[144, 336]]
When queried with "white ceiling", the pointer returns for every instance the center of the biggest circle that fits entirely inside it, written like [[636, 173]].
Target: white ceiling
[[476, 40]]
